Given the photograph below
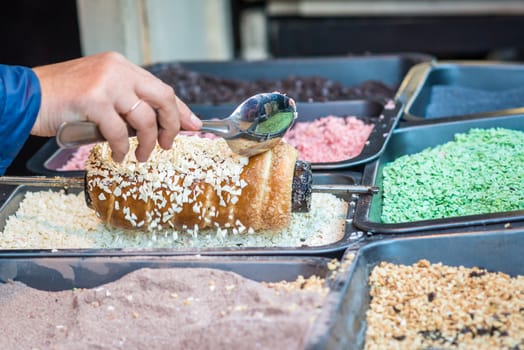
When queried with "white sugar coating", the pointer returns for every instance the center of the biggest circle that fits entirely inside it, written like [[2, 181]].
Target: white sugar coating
[[56, 220]]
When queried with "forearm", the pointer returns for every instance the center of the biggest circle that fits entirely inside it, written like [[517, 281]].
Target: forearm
[[20, 98]]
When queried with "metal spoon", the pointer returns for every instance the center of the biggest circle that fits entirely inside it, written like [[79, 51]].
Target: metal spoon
[[255, 126]]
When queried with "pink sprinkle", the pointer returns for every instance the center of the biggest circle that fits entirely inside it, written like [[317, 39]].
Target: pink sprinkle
[[390, 105], [329, 139], [78, 160]]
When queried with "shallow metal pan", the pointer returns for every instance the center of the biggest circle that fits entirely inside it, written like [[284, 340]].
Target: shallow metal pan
[[12, 196], [495, 251], [414, 139], [474, 89], [59, 273]]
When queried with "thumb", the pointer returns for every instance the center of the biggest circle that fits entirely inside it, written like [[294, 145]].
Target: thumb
[[188, 119]]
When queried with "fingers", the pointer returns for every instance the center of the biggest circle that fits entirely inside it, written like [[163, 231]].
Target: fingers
[[188, 120], [164, 101], [114, 130], [185, 120], [142, 118], [168, 128], [103, 88], [172, 113]]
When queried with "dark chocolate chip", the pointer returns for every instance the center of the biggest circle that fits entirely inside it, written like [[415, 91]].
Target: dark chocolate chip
[[466, 329], [396, 310], [477, 274]]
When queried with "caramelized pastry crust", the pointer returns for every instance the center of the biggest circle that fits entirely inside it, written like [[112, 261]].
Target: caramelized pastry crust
[[198, 184]]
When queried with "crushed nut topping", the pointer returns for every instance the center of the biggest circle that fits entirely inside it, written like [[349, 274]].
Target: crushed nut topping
[[437, 306]]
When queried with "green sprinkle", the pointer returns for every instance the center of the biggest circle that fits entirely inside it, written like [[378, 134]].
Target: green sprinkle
[[480, 172], [275, 123]]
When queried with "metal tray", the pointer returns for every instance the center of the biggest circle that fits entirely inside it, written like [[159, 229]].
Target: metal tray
[[414, 139], [445, 91], [65, 273], [12, 196], [62, 272], [349, 71], [50, 157], [495, 251]]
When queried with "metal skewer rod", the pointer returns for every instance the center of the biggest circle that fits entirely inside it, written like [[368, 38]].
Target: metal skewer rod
[[345, 189], [42, 181], [80, 181]]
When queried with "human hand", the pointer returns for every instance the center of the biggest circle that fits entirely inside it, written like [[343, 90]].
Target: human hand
[[112, 92]]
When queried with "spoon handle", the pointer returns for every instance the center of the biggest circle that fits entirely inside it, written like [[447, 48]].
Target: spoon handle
[[78, 133], [220, 127], [42, 181]]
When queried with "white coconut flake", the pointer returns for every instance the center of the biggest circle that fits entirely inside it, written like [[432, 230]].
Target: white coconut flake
[[55, 220]]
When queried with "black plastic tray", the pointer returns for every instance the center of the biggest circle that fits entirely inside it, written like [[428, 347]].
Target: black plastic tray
[[349, 71], [414, 139], [495, 251], [65, 273], [473, 89], [11, 196], [50, 157]]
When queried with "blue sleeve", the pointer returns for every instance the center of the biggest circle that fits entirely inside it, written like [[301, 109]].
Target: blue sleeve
[[20, 97]]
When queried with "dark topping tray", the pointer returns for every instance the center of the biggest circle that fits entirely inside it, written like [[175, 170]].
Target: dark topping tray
[[304, 79], [201, 88], [462, 90]]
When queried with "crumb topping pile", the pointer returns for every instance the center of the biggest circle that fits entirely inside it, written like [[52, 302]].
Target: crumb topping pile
[[480, 171], [312, 283], [433, 306], [170, 179], [56, 220]]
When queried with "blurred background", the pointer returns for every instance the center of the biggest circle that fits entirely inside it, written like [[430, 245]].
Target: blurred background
[[151, 31], [40, 32]]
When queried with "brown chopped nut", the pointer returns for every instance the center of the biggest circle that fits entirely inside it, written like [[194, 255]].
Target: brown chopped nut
[[423, 263], [436, 306], [333, 264], [313, 283]]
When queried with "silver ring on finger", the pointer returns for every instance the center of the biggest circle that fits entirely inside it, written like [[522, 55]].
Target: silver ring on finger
[[134, 106]]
